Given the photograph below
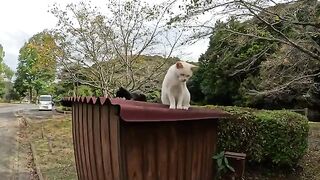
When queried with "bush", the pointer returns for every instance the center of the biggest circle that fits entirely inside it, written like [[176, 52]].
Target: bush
[[63, 108], [154, 96], [278, 137]]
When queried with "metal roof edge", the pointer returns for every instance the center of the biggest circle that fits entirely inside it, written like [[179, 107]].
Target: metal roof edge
[[127, 109]]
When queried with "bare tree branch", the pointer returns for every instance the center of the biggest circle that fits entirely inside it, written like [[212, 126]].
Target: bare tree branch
[[284, 86]]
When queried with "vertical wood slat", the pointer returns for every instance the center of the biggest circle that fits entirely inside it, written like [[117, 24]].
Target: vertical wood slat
[[173, 153], [132, 151], [115, 142], [105, 140], [124, 154], [97, 142], [75, 117], [81, 142], [149, 157], [181, 141], [162, 140], [210, 136], [86, 140], [91, 145], [196, 153], [189, 146]]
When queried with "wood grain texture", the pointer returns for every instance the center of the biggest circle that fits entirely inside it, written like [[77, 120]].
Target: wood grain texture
[[105, 140], [168, 150], [115, 141], [86, 140], [75, 124], [97, 142], [92, 157]]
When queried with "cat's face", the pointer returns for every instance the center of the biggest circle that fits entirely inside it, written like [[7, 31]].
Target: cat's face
[[184, 70]]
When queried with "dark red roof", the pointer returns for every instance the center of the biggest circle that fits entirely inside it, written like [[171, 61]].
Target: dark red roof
[[137, 111]]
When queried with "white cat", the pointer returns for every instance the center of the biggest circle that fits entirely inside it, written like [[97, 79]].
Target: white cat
[[174, 90]]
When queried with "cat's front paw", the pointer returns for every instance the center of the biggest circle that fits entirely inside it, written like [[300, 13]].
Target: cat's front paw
[[185, 107], [179, 107], [172, 107]]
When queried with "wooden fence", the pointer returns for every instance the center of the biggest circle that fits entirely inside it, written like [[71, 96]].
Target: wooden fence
[[126, 140], [311, 114]]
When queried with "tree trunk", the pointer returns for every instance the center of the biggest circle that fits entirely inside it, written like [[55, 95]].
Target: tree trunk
[[30, 94], [75, 89], [105, 93], [37, 94]]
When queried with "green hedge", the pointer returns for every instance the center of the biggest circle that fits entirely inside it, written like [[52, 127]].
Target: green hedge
[[279, 137]]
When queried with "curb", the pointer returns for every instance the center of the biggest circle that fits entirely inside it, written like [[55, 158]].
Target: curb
[[26, 122], [15, 164], [34, 155], [63, 112]]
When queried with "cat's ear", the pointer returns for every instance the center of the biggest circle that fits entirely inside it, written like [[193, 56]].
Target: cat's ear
[[179, 65]]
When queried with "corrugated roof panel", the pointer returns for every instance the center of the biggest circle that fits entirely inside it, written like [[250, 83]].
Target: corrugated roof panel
[[137, 111]]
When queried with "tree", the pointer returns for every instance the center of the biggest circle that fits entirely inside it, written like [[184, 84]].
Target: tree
[[102, 45], [9, 92], [37, 64], [66, 86], [293, 25], [7, 71], [6, 75], [219, 78], [1, 59]]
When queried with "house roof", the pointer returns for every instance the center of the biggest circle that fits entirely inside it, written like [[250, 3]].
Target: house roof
[[137, 111]]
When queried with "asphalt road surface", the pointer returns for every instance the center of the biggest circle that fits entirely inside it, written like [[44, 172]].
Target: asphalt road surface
[[10, 109], [8, 134]]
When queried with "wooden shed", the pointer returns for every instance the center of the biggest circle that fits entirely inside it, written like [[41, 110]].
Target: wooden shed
[[116, 139]]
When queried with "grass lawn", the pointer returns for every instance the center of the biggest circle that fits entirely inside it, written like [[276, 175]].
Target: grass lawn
[[52, 140], [311, 161], [53, 143]]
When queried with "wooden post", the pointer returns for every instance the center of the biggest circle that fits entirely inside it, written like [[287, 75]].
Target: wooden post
[[237, 161]]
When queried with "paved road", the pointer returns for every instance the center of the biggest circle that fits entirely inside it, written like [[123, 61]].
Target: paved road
[[9, 109], [8, 143], [36, 115]]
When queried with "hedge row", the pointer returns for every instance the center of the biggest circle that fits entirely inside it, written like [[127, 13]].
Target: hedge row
[[279, 137]]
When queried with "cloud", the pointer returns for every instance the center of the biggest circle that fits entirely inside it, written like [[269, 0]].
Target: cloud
[[19, 21], [11, 60], [22, 19], [192, 52], [12, 42]]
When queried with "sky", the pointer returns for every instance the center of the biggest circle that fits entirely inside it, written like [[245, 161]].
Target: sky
[[21, 19]]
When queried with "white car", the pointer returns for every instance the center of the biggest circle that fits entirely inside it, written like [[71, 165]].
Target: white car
[[45, 102]]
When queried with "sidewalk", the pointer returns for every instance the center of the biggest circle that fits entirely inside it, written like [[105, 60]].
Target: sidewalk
[[9, 156]]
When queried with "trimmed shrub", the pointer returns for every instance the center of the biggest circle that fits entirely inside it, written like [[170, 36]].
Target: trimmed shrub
[[279, 137], [154, 96]]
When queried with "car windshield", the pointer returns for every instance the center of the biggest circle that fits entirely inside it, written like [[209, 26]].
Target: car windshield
[[45, 99]]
